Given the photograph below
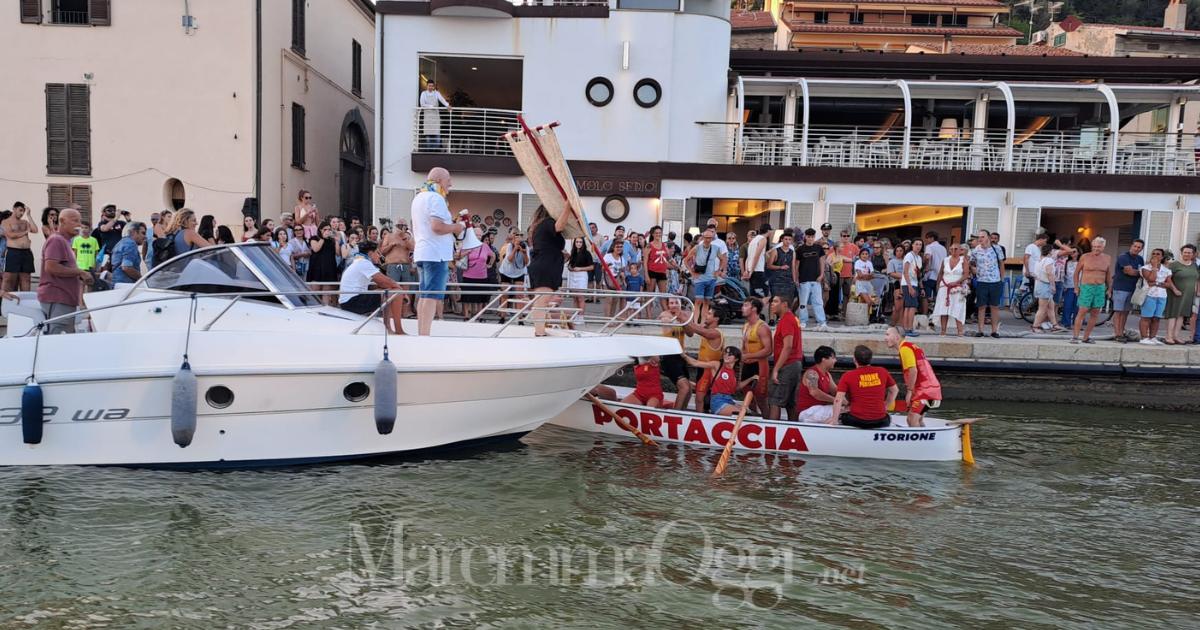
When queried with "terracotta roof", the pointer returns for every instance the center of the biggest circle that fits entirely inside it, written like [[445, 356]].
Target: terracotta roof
[[751, 21], [1017, 51], [1072, 23], [961, 3], [901, 29]]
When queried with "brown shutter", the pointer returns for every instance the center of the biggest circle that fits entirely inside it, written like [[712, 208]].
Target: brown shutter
[[58, 195], [31, 11], [62, 195], [298, 9], [57, 162], [100, 13], [79, 129], [81, 195]]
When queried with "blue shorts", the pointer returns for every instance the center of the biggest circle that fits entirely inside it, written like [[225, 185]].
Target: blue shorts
[[434, 275], [1043, 291], [1122, 303], [988, 293], [717, 402], [705, 288], [912, 296], [1153, 306]]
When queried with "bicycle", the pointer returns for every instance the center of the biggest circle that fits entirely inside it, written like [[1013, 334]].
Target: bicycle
[[1025, 306]]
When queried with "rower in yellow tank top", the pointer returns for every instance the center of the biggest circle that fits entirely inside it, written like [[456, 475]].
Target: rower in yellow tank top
[[710, 350], [752, 344]]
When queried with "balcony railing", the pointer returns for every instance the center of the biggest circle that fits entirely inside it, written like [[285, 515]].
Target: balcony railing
[[862, 147], [463, 130], [69, 17]]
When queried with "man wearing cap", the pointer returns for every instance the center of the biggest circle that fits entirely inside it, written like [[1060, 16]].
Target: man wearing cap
[[826, 239]]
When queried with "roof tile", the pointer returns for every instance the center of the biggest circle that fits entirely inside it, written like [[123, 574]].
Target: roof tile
[[751, 21]]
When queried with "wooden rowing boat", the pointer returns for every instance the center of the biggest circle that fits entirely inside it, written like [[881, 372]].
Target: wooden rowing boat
[[939, 440]]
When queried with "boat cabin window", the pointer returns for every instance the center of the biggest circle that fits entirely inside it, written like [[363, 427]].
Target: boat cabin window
[[228, 270]]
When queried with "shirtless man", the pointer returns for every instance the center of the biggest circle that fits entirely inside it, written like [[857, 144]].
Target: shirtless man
[[18, 262], [672, 365], [397, 251], [1093, 285]]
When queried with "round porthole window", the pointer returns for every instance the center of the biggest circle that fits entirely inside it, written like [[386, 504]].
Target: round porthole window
[[615, 208], [647, 92], [599, 91], [219, 397], [356, 391]]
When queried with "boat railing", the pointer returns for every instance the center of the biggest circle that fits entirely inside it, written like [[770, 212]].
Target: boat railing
[[509, 304]]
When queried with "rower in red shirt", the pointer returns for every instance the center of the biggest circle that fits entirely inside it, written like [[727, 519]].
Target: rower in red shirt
[[649, 384], [815, 395], [785, 376], [724, 382], [870, 391]]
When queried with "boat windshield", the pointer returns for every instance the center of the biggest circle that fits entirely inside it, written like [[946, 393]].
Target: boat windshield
[[236, 269]]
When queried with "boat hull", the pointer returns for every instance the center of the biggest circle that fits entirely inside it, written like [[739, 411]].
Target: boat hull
[[285, 419], [938, 442]]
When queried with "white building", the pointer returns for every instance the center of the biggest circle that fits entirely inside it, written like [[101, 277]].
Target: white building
[[149, 104], [663, 125]]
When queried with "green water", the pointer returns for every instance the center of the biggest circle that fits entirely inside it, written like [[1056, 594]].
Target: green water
[[1074, 518]]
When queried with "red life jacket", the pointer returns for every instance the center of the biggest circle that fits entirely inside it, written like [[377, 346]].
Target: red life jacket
[[725, 382], [927, 386]]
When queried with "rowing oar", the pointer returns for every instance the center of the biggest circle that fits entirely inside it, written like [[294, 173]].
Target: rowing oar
[[724, 462], [619, 420]]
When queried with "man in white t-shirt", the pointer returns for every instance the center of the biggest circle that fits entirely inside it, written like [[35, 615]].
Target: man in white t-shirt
[[433, 232], [358, 277], [754, 267], [935, 253], [1033, 255]]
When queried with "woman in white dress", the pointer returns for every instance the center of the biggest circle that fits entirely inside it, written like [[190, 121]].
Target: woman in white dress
[[953, 286]]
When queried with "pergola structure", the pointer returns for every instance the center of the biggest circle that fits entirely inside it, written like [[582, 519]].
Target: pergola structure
[[798, 93]]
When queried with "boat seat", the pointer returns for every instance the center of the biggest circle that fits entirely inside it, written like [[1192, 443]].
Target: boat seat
[[22, 316]]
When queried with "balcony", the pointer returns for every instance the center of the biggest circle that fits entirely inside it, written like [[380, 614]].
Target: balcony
[[69, 17], [1040, 152], [463, 130]]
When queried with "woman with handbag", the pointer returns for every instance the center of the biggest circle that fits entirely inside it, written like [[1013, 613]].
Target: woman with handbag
[[953, 287]]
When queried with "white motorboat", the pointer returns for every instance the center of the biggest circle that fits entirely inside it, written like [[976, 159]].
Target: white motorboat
[[938, 440], [279, 379]]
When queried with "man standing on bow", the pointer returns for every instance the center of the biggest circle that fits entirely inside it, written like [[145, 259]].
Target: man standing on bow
[[433, 232]]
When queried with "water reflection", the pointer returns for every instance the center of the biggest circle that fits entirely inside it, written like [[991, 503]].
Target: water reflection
[[1074, 517]]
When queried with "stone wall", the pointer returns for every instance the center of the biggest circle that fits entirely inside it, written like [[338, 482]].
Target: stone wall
[[754, 40]]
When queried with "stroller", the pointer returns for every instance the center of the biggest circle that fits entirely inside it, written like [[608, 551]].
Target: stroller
[[727, 303]]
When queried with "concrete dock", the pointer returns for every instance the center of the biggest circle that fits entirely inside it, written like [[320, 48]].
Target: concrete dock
[[1027, 367]]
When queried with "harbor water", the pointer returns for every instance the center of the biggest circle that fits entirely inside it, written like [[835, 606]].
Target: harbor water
[[1074, 517]]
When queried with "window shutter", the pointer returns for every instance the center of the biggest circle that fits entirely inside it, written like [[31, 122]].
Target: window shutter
[[1158, 230], [841, 217], [57, 162], [297, 135], [985, 219], [356, 68], [1193, 228], [799, 215], [99, 12], [529, 205], [81, 195], [31, 11], [58, 195], [79, 130], [298, 26], [1028, 222]]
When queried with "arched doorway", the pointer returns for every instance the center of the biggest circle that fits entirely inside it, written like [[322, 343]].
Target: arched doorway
[[355, 174]]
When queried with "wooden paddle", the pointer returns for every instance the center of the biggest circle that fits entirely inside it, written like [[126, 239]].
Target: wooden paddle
[[724, 462], [619, 420]]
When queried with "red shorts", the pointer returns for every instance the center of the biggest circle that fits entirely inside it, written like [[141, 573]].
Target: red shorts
[[644, 396], [918, 407]]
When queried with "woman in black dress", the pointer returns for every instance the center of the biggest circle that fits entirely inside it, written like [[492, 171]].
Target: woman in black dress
[[546, 261], [322, 265]]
